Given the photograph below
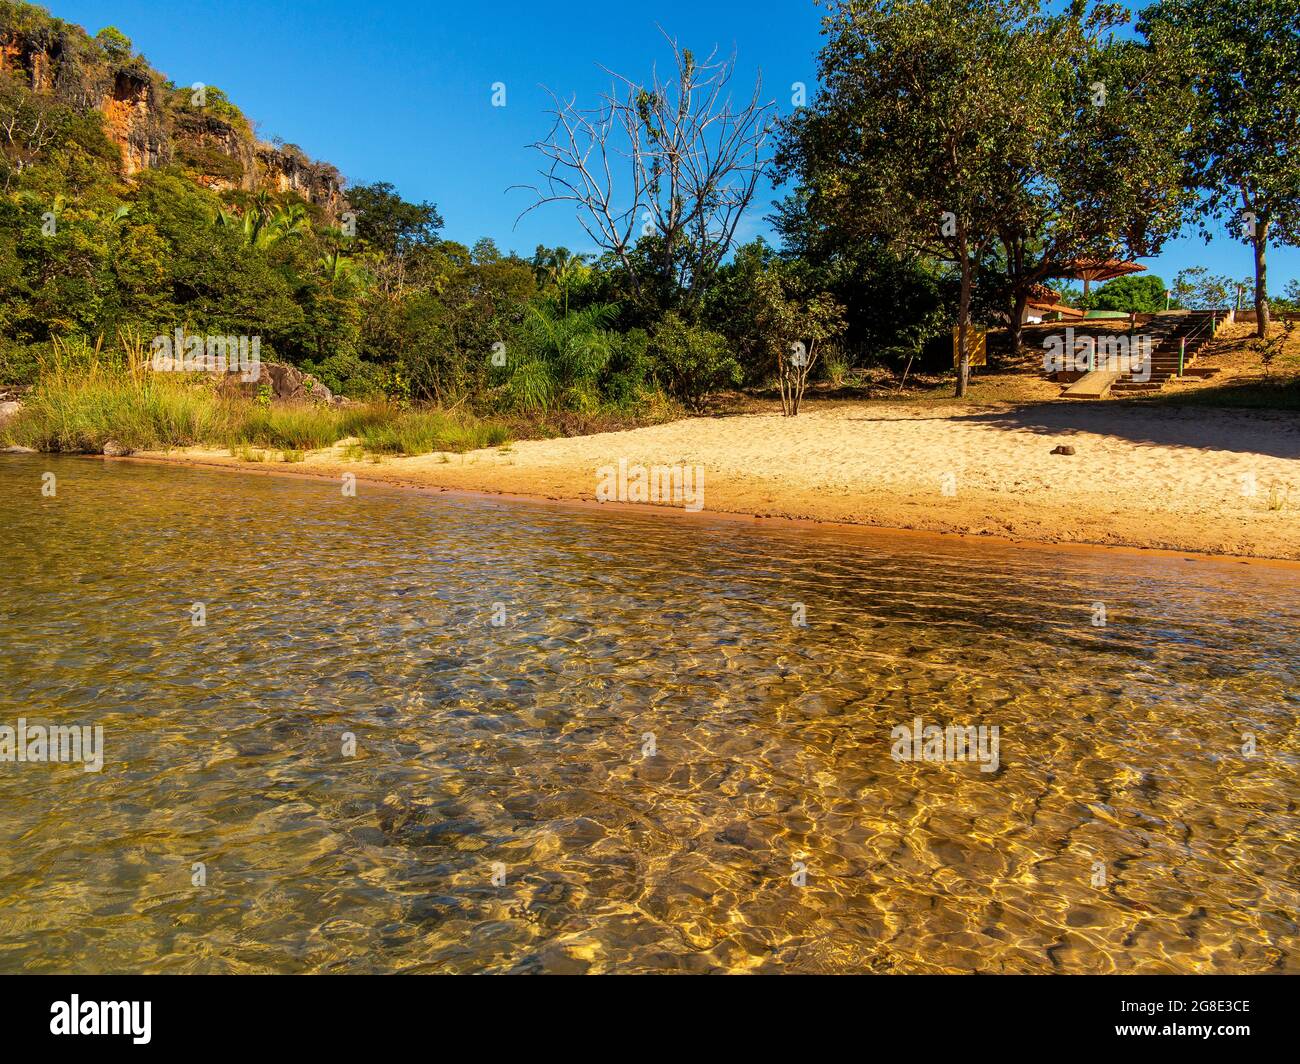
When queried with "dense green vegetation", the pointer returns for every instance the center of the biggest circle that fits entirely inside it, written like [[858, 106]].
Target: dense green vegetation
[[900, 222]]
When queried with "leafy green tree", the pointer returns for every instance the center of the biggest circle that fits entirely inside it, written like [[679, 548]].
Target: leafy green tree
[[893, 301], [776, 314], [1144, 294], [1243, 58], [624, 384], [1109, 179], [924, 102], [1197, 288], [732, 308], [792, 329], [445, 329], [213, 103], [390, 224], [116, 44]]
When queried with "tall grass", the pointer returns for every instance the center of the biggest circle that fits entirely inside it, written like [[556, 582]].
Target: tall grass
[[84, 398], [300, 426], [426, 431]]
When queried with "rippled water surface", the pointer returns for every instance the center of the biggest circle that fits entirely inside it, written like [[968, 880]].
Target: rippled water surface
[[1124, 830]]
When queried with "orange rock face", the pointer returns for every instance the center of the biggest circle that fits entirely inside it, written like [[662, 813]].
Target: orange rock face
[[150, 131]]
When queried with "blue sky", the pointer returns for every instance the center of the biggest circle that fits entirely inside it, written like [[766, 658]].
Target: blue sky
[[402, 91]]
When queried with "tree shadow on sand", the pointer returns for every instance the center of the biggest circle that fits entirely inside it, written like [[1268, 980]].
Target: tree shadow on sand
[[1246, 431]]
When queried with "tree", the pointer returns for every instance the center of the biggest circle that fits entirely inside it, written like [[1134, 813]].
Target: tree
[[666, 168], [389, 223], [793, 328], [691, 359], [925, 104], [443, 331], [1243, 57], [1198, 289], [30, 125], [562, 268], [777, 315], [1110, 179], [894, 301], [1134, 295], [116, 44]]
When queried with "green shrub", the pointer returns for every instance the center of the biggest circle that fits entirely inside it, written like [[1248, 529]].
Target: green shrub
[[558, 360], [348, 374], [629, 366], [692, 360], [20, 363]]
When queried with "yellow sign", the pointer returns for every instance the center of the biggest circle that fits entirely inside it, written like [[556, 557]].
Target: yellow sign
[[977, 342]]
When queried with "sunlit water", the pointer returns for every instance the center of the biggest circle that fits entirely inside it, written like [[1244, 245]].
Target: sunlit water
[[1124, 830]]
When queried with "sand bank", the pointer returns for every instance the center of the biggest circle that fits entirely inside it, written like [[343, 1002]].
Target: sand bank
[[1210, 481]]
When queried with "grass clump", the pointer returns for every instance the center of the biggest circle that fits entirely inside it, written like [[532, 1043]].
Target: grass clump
[[85, 398], [303, 427], [427, 431], [293, 428]]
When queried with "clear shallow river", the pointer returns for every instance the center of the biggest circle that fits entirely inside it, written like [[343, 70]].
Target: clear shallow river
[[518, 749]]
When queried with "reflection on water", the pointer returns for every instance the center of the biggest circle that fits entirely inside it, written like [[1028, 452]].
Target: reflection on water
[[1124, 830]]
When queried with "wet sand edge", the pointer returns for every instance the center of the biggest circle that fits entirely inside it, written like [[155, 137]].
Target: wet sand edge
[[733, 517]]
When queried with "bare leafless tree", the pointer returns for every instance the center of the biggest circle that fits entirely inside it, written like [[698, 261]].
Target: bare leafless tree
[[29, 123], [673, 161]]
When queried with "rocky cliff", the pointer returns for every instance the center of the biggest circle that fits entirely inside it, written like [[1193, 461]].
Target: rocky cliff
[[153, 122]]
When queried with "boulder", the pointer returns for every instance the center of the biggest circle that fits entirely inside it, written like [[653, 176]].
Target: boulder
[[287, 383]]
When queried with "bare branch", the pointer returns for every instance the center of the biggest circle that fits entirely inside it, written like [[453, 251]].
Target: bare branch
[[674, 159]]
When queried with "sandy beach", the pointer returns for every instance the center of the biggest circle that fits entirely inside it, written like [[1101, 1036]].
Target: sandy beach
[[1216, 482]]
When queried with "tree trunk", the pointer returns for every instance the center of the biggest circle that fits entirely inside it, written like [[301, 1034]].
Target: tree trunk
[[963, 325], [1017, 331], [801, 378], [1261, 279], [1014, 249]]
